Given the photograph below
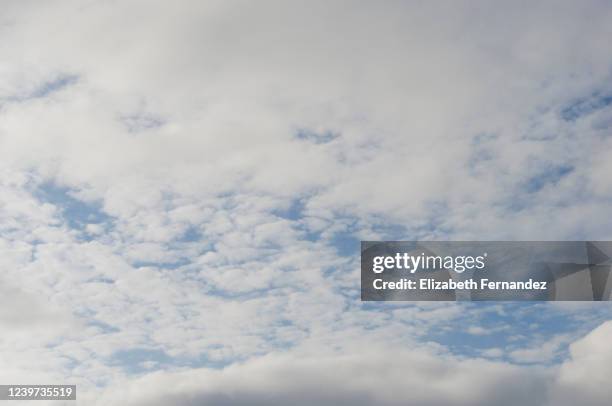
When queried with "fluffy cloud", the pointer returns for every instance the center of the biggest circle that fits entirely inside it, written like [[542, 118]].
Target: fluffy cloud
[[375, 375], [582, 378], [372, 376], [198, 100], [183, 188], [383, 377]]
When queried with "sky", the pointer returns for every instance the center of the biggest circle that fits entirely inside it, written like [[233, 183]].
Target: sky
[[184, 185]]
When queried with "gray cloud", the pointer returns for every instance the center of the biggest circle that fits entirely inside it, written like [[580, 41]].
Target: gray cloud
[[374, 376], [384, 377]]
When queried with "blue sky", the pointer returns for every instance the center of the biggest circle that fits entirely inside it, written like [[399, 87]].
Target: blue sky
[[183, 189]]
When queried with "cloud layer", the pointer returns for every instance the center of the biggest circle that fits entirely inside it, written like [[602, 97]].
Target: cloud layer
[[381, 376], [183, 188]]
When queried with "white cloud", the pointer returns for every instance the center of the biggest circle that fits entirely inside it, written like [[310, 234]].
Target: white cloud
[[583, 378], [181, 122], [232, 82], [372, 376]]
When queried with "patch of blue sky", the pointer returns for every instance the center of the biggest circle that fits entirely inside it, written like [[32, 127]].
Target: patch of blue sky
[[278, 340], [103, 280], [480, 158], [169, 265], [204, 360], [54, 85], [549, 176], [140, 360], [585, 106], [511, 326], [244, 295], [75, 212], [192, 234], [483, 138], [523, 195], [140, 122], [46, 88], [352, 295], [433, 226], [384, 306], [293, 212], [103, 327], [346, 244], [316, 137]]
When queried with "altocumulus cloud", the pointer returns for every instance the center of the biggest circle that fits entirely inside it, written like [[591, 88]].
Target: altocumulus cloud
[[183, 185]]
